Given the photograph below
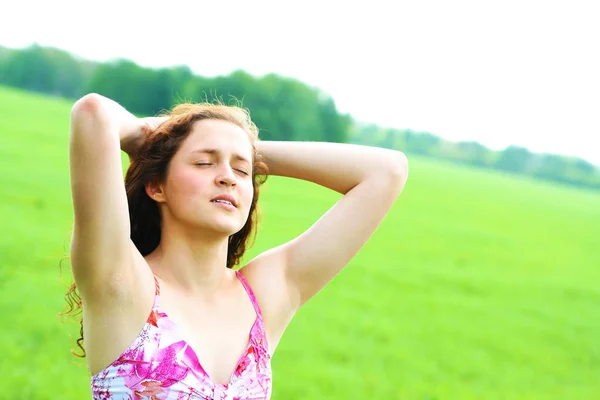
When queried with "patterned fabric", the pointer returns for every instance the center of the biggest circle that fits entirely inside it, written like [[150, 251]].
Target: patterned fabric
[[160, 365]]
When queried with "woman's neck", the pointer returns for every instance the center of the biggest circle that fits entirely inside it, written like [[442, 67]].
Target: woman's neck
[[196, 265]]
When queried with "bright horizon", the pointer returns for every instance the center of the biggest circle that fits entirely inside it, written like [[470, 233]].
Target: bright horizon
[[519, 73]]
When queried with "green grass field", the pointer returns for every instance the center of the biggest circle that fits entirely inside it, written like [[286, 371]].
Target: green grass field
[[478, 285]]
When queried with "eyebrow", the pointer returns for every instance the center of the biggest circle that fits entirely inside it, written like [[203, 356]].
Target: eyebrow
[[218, 152]]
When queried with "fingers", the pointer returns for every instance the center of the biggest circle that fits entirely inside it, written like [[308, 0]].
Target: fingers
[[151, 123]]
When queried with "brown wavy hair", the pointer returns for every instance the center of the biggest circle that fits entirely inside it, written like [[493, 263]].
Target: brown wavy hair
[[151, 164]]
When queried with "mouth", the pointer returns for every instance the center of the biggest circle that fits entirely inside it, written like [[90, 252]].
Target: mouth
[[226, 200]]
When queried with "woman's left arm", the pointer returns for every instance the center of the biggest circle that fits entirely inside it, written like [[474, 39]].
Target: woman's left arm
[[370, 178]]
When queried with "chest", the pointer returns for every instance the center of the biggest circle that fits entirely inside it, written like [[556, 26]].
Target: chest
[[217, 331]]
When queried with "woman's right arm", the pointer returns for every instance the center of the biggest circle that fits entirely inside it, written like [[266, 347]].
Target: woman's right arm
[[102, 254]]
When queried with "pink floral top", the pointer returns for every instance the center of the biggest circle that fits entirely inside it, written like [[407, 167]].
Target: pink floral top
[[160, 365]]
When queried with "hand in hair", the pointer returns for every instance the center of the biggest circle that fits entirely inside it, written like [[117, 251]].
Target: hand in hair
[[138, 132]]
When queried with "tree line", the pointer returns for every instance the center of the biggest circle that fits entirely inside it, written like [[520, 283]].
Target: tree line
[[514, 159], [283, 108]]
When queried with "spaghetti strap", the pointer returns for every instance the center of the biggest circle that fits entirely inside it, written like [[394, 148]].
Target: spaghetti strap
[[250, 293], [156, 293]]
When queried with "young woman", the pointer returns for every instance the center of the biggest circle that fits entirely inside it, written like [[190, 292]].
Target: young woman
[[165, 315]]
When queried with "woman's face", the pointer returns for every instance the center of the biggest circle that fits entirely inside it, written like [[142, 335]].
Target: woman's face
[[209, 181]]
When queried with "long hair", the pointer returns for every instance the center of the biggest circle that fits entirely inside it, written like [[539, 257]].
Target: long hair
[[151, 164]]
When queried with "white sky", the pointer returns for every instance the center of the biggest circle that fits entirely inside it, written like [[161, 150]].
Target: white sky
[[503, 72]]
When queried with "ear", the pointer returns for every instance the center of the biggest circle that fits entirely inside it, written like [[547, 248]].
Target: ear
[[155, 191]]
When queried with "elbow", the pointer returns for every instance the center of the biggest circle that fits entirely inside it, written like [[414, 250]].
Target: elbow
[[398, 167], [88, 113], [397, 171], [90, 104]]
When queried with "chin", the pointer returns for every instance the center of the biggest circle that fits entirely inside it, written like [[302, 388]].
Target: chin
[[220, 223], [227, 228]]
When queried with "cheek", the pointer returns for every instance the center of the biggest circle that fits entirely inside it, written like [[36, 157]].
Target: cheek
[[247, 192], [246, 184], [186, 182]]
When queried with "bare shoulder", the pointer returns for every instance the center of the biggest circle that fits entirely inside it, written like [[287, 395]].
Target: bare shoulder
[[267, 279]]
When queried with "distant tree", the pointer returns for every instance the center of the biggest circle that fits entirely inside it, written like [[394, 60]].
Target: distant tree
[[283, 108], [421, 142], [388, 138], [514, 159], [70, 74], [140, 90], [178, 78], [335, 125], [30, 69], [365, 134], [45, 70], [5, 54], [551, 166], [584, 167], [475, 153]]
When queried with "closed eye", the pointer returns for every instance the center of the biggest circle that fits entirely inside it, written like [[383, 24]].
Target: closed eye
[[241, 171]]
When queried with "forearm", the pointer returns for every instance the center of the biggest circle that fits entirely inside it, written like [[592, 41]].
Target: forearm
[[339, 167]]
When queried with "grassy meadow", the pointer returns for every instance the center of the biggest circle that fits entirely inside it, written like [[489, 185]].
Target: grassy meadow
[[478, 285]]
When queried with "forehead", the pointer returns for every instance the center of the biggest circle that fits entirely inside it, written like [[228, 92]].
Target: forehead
[[224, 136]]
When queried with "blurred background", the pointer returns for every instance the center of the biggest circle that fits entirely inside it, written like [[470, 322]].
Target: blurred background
[[482, 283]]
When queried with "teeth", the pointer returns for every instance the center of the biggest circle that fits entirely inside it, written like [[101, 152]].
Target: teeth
[[223, 201]]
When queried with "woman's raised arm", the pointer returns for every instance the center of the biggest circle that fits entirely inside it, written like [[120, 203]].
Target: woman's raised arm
[[370, 179], [101, 249]]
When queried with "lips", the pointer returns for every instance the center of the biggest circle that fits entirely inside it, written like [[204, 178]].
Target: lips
[[225, 198]]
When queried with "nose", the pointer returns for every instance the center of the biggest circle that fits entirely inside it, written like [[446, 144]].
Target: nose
[[225, 177]]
